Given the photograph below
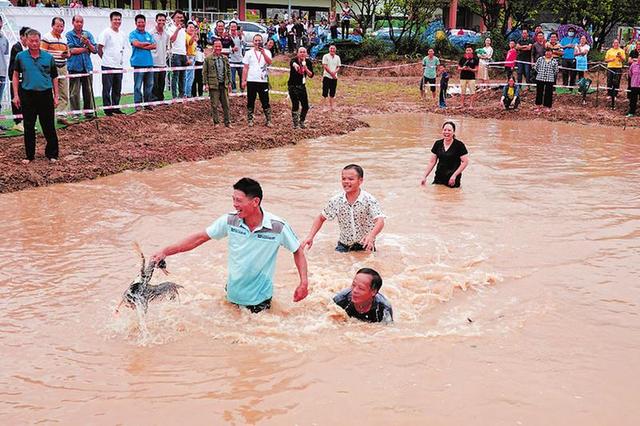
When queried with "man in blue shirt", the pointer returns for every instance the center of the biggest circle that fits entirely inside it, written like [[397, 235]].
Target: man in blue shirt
[[568, 43], [81, 45], [254, 237], [142, 44], [38, 95]]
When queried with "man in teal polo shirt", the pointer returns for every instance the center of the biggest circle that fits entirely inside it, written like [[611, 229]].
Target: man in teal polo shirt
[[254, 236], [142, 43], [37, 95]]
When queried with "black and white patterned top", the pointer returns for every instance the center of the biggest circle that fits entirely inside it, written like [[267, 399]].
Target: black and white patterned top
[[547, 71], [356, 220]]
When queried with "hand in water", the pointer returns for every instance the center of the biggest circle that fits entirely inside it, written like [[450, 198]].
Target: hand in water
[[301, 292], [159, 256], [368, 242], [306, 243]]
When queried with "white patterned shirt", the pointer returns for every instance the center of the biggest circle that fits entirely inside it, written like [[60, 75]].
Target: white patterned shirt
[[355, 220]]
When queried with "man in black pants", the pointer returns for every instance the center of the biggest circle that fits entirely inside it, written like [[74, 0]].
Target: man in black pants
[[15, 49], [254, 79], [38, 95], [300, 68]]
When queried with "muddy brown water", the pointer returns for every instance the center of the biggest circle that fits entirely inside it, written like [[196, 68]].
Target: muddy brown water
[[515, 298]]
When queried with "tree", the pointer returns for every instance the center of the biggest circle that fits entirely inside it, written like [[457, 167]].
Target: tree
[[363, 11], [406, 19], [599, 17]]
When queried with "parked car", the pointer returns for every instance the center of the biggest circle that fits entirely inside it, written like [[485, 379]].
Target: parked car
[[250, 30]]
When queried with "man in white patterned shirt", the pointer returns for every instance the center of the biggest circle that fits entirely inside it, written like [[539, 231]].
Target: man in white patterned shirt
[[359, 214]]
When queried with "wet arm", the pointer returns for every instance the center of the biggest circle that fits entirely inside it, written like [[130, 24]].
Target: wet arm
[[369, 241], [315, 227], [464, 162], [301, 264], [187, 244], [432, 163]]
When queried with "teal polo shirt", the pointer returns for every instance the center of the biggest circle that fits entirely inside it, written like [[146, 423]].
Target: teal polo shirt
[[37, 74], [252, 255], [140, 57]]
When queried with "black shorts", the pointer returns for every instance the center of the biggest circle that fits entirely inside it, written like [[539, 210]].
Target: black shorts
[[430, 81], [329, 87], [262, 306]]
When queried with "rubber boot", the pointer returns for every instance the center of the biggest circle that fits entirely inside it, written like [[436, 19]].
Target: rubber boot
[[267, 115], [250, 118], [295, 115]]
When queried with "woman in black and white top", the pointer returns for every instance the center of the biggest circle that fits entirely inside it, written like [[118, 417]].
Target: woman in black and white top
[[547, 70]]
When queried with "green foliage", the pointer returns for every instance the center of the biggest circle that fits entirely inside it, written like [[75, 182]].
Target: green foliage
[[419, 12], [599, 15]]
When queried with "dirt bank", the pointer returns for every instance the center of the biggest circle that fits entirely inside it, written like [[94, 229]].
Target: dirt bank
[[566, 107], [152, 139], [176, 133]]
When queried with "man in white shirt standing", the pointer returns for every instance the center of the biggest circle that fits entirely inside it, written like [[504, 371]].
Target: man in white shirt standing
[[255, 78], [178, 54], [331, 64], [111, 45], [159, 56]]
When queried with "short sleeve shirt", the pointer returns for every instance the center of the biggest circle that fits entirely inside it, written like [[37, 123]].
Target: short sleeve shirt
[[471, 63], [258, 71], [159, 54], [448, 161], [179, 46], [113, 43], [37, 74], [613, 54], [355, 221], [430, 66], [569, 52], [56, 46], [333, 63], [380, 311], [252, 255], [524, 55], [141, 57]]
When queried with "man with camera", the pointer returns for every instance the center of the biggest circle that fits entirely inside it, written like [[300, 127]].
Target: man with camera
[[81, 45], [255, 79]]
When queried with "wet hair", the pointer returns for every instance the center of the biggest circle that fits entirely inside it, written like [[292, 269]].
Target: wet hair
[[23, 31], [355, 167], [114, 14], [218, 21], [233, 22], [160, 15], [376, 279], [548, 49], [453, 125], [31, 32], [177, 12], [250, 187], [140, 16], [57, 18], [553, 34]]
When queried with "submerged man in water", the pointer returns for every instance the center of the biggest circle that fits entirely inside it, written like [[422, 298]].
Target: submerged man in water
[[255, 236], [363, 300], [359, 214]]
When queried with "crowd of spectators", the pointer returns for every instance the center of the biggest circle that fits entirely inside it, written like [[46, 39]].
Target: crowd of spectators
[[52, 73], [538, 61]]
